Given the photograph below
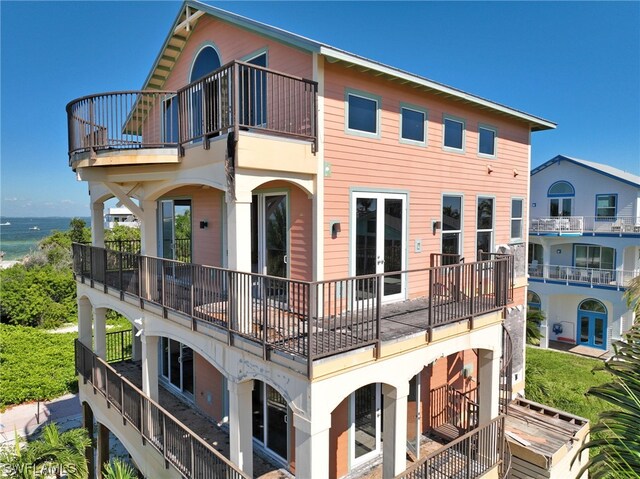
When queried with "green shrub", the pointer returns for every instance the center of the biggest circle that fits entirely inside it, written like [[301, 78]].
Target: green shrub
[[35, 364]]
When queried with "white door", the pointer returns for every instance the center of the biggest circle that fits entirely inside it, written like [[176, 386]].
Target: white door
[[379, 243], [365, 420]]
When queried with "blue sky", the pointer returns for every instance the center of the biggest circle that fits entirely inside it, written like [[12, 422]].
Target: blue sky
[[577, 64]]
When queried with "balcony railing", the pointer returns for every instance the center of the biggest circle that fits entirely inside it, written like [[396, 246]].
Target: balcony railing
[[585, 224], [234, 97], [470, 456], [119, 346], [180, 447], [310, 320], [587, 276]]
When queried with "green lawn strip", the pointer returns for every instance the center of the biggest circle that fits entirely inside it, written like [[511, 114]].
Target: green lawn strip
[[561, 380], [35, 364]]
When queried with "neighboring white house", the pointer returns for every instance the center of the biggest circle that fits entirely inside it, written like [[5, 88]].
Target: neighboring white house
[[584, 247], [120, 216]]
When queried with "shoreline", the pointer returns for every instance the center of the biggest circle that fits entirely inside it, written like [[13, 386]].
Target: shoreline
[[8, 263]]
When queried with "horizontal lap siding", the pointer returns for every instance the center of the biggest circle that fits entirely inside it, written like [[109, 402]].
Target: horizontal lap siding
[[233, 43], [425, 172]]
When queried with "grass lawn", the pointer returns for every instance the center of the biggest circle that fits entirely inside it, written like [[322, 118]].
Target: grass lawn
[[35, 364], [562, 379]]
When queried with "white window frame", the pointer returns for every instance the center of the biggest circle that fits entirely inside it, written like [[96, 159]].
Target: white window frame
[[520, 218], [456, 119], [367, 96], [417, 109], [493, 129], [169, 98], [493, 223], [458, 232]]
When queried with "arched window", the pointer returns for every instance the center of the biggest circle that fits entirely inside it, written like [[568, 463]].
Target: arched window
[[560, 196], [592, 305], [533, 300], [207, 60]]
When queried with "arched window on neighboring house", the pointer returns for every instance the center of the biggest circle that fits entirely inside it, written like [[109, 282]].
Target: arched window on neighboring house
[[533, 300], [560, 196]]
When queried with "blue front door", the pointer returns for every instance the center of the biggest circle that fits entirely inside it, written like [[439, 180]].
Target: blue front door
[[592, 329]]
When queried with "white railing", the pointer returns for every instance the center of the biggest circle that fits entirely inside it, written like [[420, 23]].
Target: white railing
[[574, 274], [585, 224]]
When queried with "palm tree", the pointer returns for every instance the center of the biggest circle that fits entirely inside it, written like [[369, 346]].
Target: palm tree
[[616, 434], [118, 469], [53, 452], [534, 318]]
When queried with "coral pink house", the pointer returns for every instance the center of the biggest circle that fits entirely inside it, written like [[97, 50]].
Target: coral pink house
[[349, 285]]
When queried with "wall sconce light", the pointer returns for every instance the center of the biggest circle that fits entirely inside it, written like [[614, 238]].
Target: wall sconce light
[[204, 224], [489, 169], [335, 228], [515, 173], [558, 251], [436, 225]]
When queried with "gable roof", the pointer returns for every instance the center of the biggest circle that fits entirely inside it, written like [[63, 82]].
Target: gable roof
[[192, 10], [606, 170]]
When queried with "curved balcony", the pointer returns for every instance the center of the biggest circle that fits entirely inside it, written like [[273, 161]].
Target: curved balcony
[[138, 127], [112, 128]]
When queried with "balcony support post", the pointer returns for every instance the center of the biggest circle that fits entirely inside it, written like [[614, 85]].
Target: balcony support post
[[488, 385], [150, 366], [149, 228], [87, 423], [97, 224], [103, 448], [239, 244], [240, 425], [100, 332], [394, 441], [136, 345]]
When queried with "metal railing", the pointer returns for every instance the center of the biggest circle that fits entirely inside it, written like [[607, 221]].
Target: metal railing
[[119, 346], [468, 457], [592, 276], [451, 406], [308, 319], [244, 96], [182, 448], [506, 371], [124, 246], [121, 120], [585, 224]]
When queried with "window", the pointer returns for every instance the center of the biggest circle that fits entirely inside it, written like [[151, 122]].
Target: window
[[533, 300], [596, 257], [206, 62], [606, 206], [535, 253], [516, 219], [362, 113], [486, 141], [561, 198], [413, 125], [484, 226], [451, 225], [453, 133]]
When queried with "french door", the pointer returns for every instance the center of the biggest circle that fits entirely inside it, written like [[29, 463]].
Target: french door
[[175, 219], [378, 243], [592, 329]]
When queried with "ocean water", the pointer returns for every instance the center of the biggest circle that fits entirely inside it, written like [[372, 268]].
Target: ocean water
[[22, 235]]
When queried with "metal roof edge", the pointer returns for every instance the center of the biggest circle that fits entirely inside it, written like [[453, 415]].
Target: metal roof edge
[[576, 161]]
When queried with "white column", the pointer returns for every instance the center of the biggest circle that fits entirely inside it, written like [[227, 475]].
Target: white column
[[149, 228], [394, 441], [546, 258], [239, 233], [100, 332], [488, 385], [97, 224], [85, 320], [240, 425], [312, 445], [150, 366]]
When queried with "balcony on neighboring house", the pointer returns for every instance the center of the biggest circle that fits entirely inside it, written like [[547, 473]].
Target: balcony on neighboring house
[[152, 126], [584, 225], [299, 322], [591, 277]]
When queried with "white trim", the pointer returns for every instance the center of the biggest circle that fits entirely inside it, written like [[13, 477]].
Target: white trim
[[520, 238], [417, 109], [482, 126], [366, 96], [202, 46], [353, 460], [461, 230], [456, 119]]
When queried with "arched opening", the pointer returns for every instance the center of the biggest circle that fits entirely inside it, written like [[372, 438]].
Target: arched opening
[[592, 324], [206, 61], [533, 300], [560, 196]]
